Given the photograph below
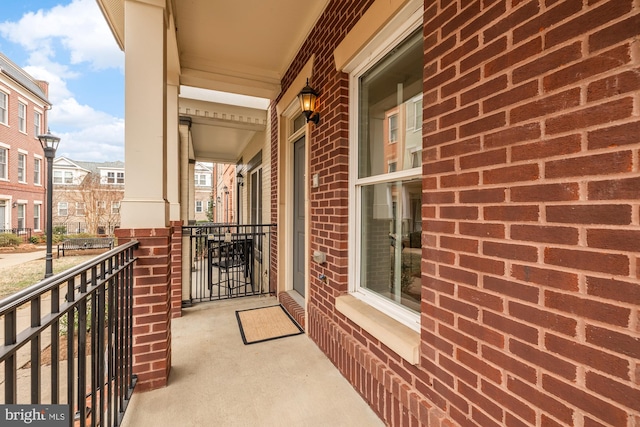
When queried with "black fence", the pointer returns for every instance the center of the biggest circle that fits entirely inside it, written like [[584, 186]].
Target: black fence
[[228, 260], [24, 233], [68, 340]]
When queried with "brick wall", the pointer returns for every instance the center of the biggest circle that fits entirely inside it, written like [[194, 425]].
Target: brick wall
[[10, 136], [531, 217], [152, 305], [531, 128]]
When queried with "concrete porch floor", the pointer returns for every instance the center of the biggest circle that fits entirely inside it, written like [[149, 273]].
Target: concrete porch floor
[[216, 380]]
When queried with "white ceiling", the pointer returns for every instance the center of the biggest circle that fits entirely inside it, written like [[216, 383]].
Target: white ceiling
[[237, 46]]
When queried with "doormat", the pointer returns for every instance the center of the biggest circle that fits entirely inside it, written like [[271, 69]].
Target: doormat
[[266, 323]]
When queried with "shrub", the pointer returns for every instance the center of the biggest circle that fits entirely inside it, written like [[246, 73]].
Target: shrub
[[34, 240], [8, 239]]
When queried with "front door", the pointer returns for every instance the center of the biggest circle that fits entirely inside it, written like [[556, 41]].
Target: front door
[[298, 215]]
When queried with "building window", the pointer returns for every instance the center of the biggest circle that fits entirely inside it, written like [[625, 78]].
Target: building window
[[22, 167], [4, 155], [21, 211], [36, 216], [80, 209], [388, 187], [22, 117], [4, 107], [101, 205], [37, 123], [203, 180], [393, 128], [120, 177], [115, 207], [36, 171], [62, 177], [63, 209], [198, 206]]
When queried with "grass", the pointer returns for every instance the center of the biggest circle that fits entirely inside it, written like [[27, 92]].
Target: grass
[[18, 277]]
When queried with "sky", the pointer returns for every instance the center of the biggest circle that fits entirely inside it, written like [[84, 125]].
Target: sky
[[69, 44]]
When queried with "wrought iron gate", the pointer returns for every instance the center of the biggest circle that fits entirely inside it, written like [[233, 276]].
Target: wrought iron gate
[[228, 261]]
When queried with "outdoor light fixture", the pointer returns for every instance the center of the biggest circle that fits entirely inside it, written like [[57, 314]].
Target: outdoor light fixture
[[308, 98], [49, 145], [15, 204], [240, 179]]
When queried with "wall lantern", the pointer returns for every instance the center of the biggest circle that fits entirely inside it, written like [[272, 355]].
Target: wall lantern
[[240, 179], [308, 98], [15, 204]]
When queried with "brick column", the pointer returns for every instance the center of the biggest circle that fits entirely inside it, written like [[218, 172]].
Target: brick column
[[176, 269], [151, 305]]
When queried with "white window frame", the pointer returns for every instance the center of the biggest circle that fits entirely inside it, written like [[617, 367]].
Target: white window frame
[[22, 117], [37, 216], [115, 207], [382, 44], [22, 167], [80, 209], [21, 213], [4, 107], [119, 177], [199, 206], [63, 207], [37, 170], [4, 163], [37, 123], [393, 138]]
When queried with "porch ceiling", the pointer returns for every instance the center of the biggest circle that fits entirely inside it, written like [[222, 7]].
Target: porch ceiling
[[240, 46]]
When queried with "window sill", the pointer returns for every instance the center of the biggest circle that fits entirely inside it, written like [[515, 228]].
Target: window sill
[[398, 337]]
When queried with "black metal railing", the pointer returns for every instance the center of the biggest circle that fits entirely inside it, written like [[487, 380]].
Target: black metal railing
[[68, 340], [228, 260], [24, 233]]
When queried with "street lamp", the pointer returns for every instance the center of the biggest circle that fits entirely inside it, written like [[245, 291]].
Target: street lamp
[[240, 181], [225, 190], [49, 145]]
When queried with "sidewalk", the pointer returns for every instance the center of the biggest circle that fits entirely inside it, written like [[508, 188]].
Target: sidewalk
[[12, 259]]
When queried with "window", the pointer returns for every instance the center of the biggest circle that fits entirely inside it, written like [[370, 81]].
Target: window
[[37, 123], [115, 207], [63, 209], [198, 206], [36, 171], [36, 216], [120, 177], [203, 180], [62, 177], [21, 211], [393, 128], [4, 155], [388, 187], [4, 107], [101, 205], [22, 167], [22, 117], [80, 209]]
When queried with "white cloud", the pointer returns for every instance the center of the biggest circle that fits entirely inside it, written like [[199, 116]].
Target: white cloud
[[100, 142], [64, 43], [79, 27]]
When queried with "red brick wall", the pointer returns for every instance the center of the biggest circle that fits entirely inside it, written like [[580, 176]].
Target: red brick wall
[[531, 216], [152, 305], [176, 269], [10, 135]]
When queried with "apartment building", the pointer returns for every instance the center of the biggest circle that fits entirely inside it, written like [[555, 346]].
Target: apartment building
[[23, 116]]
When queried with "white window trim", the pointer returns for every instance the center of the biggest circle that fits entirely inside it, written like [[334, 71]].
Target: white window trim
[[38, 203], [8, 148], [399, 28], [25, 169], [37, 157], [26, 109]]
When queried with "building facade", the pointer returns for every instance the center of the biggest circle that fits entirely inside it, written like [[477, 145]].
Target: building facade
[[87, 196], [486, 275], [23, 116], [203, 195]]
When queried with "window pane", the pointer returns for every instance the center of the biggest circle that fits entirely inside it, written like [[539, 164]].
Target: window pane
[[390, 245], [388, 93], [3, 163], [22, 117], [3, 107]]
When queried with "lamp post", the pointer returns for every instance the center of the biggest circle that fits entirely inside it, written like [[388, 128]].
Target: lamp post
[[225, 190], [49, 145], [240, 182]]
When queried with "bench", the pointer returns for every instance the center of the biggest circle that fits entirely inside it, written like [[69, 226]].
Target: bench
[[83, 243]]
